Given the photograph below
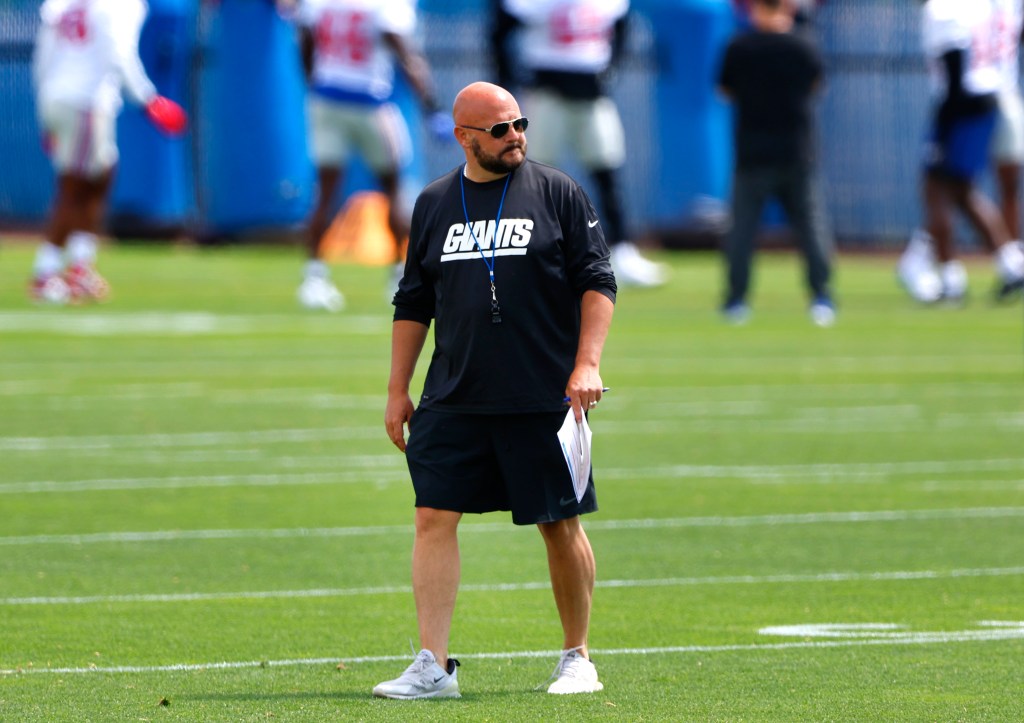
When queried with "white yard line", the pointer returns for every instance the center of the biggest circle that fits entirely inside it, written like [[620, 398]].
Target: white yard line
[[605, 426], [712, 400], [825, 577], [144, 445], [807, 518], [775, 474], [119, 442], [183, 323], [1002, 632], [360, 476]]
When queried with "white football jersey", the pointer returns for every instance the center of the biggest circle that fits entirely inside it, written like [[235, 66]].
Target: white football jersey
[[1009, 23], [972, 27], [349, 51], [567, 35], [87, 52]]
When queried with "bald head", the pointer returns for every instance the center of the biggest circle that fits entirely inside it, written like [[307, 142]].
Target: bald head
[[479, 102], [478, 107]]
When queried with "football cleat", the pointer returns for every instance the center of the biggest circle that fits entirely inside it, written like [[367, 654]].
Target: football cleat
[[316, 292], [923, 285], [916, 272], [1007, 290], [954, 282], [86, 284], [632, 269], [51, 289], [423, 679]]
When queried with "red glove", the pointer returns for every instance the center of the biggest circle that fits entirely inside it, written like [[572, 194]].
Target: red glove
[[167, 115]]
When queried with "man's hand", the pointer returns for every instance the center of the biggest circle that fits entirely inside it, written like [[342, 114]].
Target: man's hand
[[584, 390], [167, 115], [397, 414]]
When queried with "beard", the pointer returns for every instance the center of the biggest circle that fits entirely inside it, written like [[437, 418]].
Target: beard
[[498, 163]]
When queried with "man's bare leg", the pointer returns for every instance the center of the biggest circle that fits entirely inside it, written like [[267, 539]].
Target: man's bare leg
[[573, 571], [435, 577]]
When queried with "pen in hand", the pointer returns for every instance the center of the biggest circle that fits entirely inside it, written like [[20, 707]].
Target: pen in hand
[[566, 400]]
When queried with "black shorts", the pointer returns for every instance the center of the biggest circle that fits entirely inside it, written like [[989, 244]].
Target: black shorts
[[483, 463]]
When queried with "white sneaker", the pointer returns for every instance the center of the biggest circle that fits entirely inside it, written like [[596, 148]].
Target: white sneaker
[[916, 270], [423, 679], [632, 269], [316, 292], [574, 674], [736, 313], [1009, 270], [823, 312], [954, 281]]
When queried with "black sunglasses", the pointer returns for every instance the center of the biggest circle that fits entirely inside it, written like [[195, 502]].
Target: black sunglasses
[[498, 130]]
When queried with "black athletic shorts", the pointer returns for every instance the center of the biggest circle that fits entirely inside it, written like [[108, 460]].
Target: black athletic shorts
[[483, 463]]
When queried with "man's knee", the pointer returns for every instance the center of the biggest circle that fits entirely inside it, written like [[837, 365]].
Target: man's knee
[[560, 531], [434, 521]]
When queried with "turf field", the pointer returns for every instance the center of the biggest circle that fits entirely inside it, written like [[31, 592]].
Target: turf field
[[201, 518]]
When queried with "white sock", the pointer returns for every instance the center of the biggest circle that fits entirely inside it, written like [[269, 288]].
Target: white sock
[[316, 269], [954, 278], [919, 249], [1010, 261], [49, 260], [81, 248]]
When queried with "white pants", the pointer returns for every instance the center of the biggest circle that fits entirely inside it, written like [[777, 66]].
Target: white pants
[[591, 129], [378, 134], [1008, 138], [84, 142]]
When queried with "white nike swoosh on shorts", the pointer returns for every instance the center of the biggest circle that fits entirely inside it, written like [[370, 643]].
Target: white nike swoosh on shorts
[[593, 223]]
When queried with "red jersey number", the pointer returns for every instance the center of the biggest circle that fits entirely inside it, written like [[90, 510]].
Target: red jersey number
[[570, 25], [345, 36], [73, 26]]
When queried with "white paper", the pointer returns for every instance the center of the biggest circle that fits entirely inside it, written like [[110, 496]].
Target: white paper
[[575, 439]]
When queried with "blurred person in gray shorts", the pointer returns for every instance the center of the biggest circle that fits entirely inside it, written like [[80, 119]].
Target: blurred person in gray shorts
[[566, 53]]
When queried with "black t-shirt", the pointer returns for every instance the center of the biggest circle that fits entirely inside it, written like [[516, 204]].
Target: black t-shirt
[[771, 78], [550, 250]]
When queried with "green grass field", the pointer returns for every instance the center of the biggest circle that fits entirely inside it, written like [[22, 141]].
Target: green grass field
[[203, 520]]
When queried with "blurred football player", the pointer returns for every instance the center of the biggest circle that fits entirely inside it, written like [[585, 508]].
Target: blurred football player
[[349, 52], [972, 50], [568, 50], [86, 54]]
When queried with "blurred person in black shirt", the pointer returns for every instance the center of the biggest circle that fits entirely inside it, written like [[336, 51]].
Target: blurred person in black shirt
[[772, 76]]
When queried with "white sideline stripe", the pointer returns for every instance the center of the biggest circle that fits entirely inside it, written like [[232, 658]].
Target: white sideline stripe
[[184, 439], [896, 575], [722, 397], [755, 474], [924, 638], [809, 518], [773, 474], [118, 442], [182, 323], [241, 480]]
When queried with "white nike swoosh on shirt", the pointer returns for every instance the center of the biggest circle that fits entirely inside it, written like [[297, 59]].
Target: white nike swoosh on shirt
[[593, 223]]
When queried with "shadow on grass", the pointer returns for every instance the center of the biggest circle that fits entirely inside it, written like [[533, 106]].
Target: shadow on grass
[[351, 696]]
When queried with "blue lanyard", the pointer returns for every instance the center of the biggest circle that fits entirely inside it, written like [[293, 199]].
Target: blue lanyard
[[495, 309]]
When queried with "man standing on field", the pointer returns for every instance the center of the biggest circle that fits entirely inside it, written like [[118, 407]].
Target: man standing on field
[[507, 258]]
